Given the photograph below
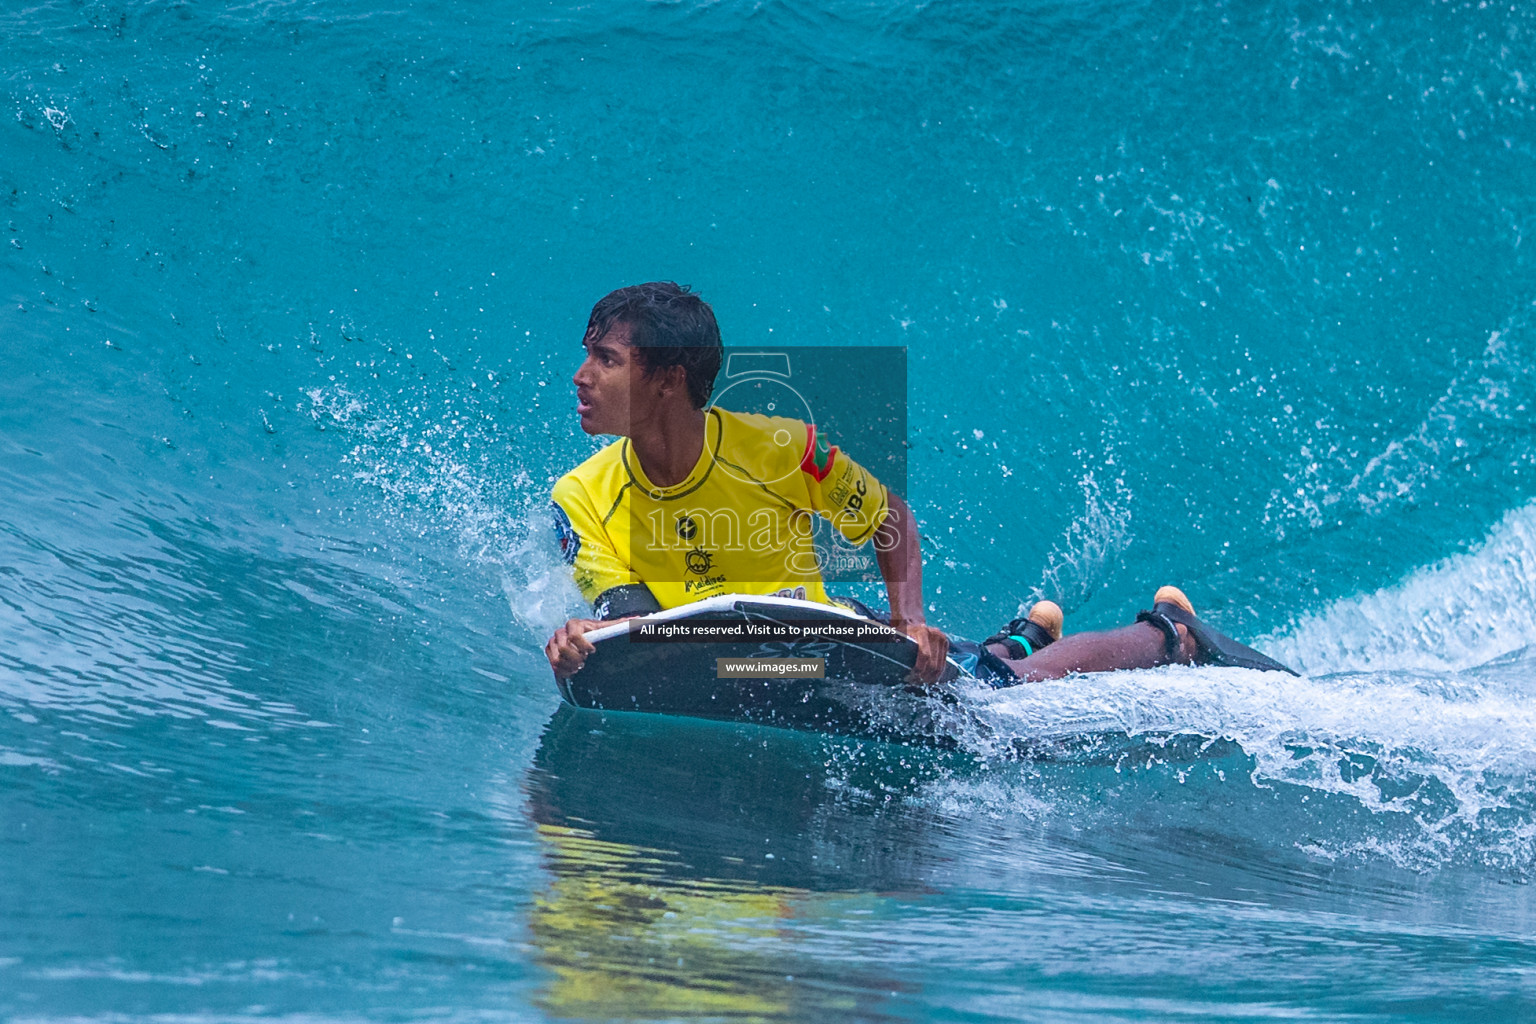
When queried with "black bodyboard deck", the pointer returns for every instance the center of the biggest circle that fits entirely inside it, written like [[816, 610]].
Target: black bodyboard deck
[[680, 677]]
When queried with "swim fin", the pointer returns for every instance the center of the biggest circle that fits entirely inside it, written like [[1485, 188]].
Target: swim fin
[[1215, 648]]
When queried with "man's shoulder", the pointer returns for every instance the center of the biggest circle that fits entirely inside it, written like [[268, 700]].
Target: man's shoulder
[[596, 473], [777, 438], [753, 423]]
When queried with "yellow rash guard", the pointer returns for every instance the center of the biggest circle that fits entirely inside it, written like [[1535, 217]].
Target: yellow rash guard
[[740, 523]]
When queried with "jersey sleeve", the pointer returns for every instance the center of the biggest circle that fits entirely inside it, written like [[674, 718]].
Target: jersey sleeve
[[584, 544], [841, 489]]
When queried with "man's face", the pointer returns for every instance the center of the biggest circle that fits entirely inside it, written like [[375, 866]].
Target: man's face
[[614, 394]]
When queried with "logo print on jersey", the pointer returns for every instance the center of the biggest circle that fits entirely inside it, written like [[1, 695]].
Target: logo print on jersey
[[698, 561], [819, 455], [687, 528], [570, 540]]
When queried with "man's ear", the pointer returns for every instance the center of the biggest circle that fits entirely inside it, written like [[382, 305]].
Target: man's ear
[[675, 380]]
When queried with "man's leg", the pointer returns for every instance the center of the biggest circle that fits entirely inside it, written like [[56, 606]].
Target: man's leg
[[1140, 645]]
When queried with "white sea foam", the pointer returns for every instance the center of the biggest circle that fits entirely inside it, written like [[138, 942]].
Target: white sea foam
[[1455, 614], [1417, 704], [1446, 768], [1471, 726], [421, 463]]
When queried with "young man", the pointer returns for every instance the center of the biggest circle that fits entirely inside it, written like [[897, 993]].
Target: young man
[[692, 502]]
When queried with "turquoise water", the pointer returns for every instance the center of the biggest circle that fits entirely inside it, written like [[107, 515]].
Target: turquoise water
[[1231, 295]]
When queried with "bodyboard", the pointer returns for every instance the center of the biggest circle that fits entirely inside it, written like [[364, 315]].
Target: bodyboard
[[628, 672]]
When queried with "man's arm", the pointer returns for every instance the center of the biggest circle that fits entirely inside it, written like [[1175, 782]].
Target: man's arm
[[601, 575], [898, 551], [567, 650]]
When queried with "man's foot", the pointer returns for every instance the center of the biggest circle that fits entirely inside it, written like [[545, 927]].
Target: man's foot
[[1171, 610], [1047, 615], [1023, 637], [1167, 603], [1173, 595]]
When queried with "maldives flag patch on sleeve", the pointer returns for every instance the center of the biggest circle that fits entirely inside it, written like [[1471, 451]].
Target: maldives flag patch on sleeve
[[570, 540], [819, 455]]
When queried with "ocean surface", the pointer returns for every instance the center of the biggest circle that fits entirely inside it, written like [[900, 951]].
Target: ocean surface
[[1238, 296]]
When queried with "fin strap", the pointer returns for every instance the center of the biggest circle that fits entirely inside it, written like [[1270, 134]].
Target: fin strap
[[1021, 638], [1171, 643]]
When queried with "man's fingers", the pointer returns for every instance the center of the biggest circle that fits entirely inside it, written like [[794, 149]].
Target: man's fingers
[[567, 650], [577, 647], [923, 667], [938, 648], [932, 646], [936, 656], [932, 665], [567, 662]]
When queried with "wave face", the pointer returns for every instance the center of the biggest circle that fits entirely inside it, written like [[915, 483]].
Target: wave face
[[1232, 296]]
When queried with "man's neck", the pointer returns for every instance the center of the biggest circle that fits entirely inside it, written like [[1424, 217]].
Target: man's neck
[[670, 446]]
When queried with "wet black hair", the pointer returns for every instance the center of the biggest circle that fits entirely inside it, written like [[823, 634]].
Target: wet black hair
[[670, 326]]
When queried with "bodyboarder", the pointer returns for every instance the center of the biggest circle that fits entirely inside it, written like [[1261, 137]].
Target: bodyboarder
[[693, 501]]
